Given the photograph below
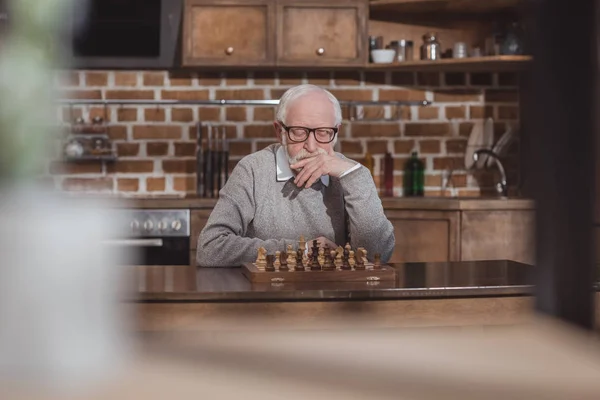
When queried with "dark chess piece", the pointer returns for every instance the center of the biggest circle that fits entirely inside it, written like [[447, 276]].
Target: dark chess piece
[[376, 261], [299, 266], [283, 261], [270, 266], [314, 264], [345, 264]]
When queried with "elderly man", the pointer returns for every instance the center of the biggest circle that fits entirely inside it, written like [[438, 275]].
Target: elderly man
[[298, 186]]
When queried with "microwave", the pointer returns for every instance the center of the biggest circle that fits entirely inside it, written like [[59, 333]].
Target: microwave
[[123, 34]]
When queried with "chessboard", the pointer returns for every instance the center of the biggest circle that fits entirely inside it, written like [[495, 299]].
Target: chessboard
[[317, 264]]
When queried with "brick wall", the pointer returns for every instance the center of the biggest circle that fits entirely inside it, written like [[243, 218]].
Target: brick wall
[[156, 144]]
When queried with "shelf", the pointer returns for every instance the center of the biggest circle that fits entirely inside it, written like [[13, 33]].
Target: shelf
[[442, 6], [106, 158], [472, 64]]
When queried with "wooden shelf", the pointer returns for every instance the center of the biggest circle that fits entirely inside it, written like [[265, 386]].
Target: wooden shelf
[[442, 6], [472, 64]]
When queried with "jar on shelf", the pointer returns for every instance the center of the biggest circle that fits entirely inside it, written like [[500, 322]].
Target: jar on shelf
[[431, 49]]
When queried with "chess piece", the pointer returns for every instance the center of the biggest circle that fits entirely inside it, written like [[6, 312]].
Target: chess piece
[[277, 260], [302, 243], [360, 261], [283, 263], [377, 261], [261, 259], [314, 264], [352, 259], [305, 261], [338, 259], [346, 253], [328, 262], [364, 255], [321, 257], [291, 257], [269, 267], [345, 261]]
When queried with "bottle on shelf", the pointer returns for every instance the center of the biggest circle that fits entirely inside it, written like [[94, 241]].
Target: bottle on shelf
[[414, 176]]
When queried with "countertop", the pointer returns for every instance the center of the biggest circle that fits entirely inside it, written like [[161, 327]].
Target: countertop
[[389, 203], [413, 280]]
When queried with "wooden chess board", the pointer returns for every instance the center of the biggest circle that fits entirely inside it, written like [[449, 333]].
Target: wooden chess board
[[257, 274]]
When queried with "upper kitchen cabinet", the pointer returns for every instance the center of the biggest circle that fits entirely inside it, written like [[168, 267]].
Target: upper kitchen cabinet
[[229, 32], [323, 33]]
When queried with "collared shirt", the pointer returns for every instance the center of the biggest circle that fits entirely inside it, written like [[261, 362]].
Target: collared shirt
[[284, 172]]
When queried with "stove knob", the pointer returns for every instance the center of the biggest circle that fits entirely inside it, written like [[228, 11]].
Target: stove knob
[[148, 225], [134, 226], [162, 225], [176, 225]]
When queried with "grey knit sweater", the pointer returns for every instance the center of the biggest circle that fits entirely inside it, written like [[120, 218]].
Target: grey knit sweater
[[255, 210]]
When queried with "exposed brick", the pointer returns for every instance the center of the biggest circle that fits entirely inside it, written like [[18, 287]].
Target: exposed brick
[[126, 114], [403, 78], [184, 184], [70, 114], [154, 115], [469, 192], [373, 112], [64, 168], [455, 78], [88, 184], [277, 93], [130, 94], [236, 78], [481, 79], [403, 146], [377, 146], [375, 78], [264, 113], [433, 180], [401, 112], [264, 78], [179, 166], [236, 114], [290, 78], [401, 95], [68, 78], [241, 94], [399, 164], [429, 112], [481, 111], [230, 131], [456, 146], [501, 95], [259, 131], [154, 78], [81, 94], [185, 149], [125, 79], [456, 112], [180, 79], [128, 184], [427, 129], [375, 129], [239, 148], [131, 167], [261, 144], [353, 94], [508, 79], [128, 149], [441, 163], [428, 79], [351, 146], [508, 112], [184, 94], [209, 113], [430, 146], [156, 132], [209, 78], [117, 132], [459, 180], [96, 79], [155, 184], [349, 78], [319, 78], [182, 115], [457, 95], [232, 164], [157, 148], [101, 112]]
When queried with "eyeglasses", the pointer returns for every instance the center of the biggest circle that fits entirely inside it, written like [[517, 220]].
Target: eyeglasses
[[299, 134]]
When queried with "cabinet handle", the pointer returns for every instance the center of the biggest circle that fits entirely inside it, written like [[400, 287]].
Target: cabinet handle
[[229, 51], [320, 51]]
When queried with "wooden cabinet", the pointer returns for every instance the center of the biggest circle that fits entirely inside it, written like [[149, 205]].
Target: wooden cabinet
[[229, 32], [275, 33], [321, 33]]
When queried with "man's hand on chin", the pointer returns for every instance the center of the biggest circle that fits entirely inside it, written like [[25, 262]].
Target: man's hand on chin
[[312, 168]]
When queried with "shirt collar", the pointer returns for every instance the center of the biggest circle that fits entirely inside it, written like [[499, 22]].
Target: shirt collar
[[284, 172]]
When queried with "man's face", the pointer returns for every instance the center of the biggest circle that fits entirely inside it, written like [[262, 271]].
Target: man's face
[[313, 110]]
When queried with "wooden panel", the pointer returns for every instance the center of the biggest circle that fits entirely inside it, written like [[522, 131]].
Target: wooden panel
[[423, 236], [441, 6], [471, 64], [498, 235], [198, 220], [229, 32], [322, 33]]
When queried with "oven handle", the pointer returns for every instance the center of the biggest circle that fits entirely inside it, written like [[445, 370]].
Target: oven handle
[[136, 242]]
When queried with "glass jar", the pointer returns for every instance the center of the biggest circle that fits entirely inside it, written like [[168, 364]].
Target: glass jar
[[431, 49], [403, 48]]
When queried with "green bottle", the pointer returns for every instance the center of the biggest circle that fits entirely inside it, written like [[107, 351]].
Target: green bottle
[[414, 176]]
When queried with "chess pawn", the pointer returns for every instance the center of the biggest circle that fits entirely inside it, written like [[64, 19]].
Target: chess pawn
[[277, 260], [269, 267], [321, 257], [377, 261], [291, 259], [283, 260], [351, 259]]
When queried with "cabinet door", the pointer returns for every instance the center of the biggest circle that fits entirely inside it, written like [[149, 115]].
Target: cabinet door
[[325, 33], [229, 32], [425, 236]]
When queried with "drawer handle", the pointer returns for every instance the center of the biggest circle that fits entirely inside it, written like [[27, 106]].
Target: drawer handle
[[320, 51], [229, 51]]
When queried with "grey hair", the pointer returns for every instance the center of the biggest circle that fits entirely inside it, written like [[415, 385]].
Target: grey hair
[[298, 91]]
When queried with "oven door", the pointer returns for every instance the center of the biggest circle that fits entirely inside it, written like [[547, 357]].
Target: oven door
[[157, 250]]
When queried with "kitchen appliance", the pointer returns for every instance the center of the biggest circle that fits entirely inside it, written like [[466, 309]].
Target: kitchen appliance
[[156, 236]]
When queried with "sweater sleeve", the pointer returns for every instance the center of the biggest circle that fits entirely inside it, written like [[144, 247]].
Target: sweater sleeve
[[369, 227], [223, 241]]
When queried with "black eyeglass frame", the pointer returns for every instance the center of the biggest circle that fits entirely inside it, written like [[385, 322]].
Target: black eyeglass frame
[[313, 130]]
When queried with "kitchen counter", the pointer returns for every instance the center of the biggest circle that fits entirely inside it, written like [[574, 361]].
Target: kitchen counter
[[413, 280]]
